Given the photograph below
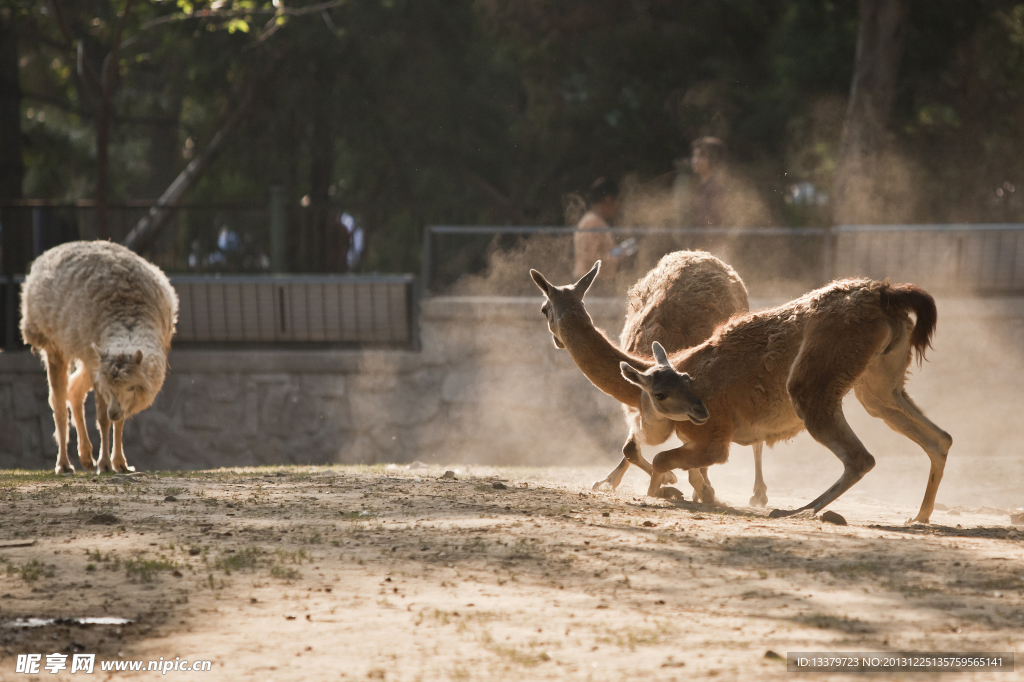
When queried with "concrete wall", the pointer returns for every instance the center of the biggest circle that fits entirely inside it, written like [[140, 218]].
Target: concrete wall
[[489, 387]]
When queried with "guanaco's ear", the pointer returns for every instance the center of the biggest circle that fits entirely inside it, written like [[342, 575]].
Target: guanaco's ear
[[586, 280], [544, 285], [660, 355], [630, 374], [137, 358]]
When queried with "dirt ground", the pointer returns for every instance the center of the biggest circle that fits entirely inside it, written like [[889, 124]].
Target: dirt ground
[[395, 573]]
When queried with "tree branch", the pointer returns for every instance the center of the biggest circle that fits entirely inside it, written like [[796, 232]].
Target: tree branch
[[234, 14], [65, 29], [147, 229]]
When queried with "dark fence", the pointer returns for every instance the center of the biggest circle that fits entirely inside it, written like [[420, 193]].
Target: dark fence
[[950, 260], [342, 311], [359, 310]]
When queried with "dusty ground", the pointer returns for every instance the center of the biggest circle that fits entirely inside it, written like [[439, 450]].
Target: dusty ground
[[318, 573]]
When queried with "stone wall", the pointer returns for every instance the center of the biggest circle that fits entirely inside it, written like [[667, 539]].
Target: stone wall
[[489, 387]]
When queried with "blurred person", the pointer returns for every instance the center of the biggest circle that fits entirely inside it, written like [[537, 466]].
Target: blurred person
[[707, 162], [355, 240], [589, 244], [338, 241]]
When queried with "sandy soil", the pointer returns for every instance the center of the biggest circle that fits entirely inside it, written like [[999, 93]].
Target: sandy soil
[[326, 573]]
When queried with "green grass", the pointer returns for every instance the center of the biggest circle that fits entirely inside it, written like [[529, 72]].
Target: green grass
[[284, 573], [146, 569], [247, 559], [30, 571]]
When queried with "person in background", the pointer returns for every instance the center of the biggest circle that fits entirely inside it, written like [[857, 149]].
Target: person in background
[[707, 161], [589, 244]]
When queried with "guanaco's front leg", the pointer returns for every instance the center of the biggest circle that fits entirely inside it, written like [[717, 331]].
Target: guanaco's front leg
[[690, 457]]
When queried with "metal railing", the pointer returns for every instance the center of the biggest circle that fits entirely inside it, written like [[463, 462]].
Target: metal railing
[[344, 311], [362, 310], [952, 260], [982, 259]]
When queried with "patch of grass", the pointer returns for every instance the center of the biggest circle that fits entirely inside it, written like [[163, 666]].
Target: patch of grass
[[630, 637], [841, 623], [247, 559], [296, 557], [30, 571], [174, 490], [854, 571], [284, 573], [146, 569]]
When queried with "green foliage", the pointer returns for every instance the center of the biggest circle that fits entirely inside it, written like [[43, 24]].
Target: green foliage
[[406, 112]]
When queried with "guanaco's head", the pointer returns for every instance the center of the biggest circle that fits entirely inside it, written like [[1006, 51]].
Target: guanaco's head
[[125, 382], [670, 392], [561, 300]]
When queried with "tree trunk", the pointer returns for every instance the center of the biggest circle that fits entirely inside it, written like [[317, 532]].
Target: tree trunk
[[880, 42], [14, 243], [102, 165], [104, 120], [321, 171], [12, 167]]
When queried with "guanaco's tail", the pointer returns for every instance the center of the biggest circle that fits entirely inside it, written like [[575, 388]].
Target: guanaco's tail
[[902, 298]]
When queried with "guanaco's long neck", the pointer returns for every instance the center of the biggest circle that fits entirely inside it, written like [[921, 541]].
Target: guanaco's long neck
[[598, 358]]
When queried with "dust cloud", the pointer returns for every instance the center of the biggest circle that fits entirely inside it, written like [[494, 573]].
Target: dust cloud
[[533, 406]]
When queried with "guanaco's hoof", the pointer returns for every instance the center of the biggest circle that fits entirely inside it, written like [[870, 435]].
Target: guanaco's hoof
[[124, 469], [759, 500], [66, 470], [603, 485]]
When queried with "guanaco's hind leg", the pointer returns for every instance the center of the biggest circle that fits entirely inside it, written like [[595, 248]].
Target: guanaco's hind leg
[[57, 377], [760, 498], [78, 389], [897, 410], [833, 356]]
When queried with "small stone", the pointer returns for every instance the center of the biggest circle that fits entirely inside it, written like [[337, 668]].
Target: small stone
[[170, 498], [176, 573], [606, 514], [772, 656], [103, 519], [832, 517], [649, 524], [669, 493], [195, 551], [449, 475], [498, 485]]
